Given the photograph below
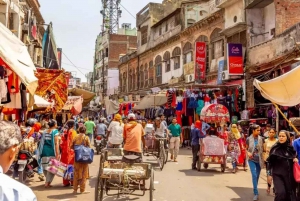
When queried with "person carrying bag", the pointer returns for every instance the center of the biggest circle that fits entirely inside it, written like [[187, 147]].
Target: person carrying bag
[[83, 157]]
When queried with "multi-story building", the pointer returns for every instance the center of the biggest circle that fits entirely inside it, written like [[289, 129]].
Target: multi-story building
[[24, 19], [167, 33], [263, 33], [273, 41], [108, 49]]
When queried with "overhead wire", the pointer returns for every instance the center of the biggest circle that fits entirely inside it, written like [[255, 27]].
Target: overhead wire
[[128, 11], [73, 63]]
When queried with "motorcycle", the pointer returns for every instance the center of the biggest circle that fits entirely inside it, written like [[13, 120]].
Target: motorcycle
[[100, 143], [25, 165]]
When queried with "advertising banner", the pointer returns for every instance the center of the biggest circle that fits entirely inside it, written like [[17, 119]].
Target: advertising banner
[[220, 71], [200, 61], [235, 59]]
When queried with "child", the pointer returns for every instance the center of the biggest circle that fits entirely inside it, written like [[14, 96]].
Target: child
[[233, 156]]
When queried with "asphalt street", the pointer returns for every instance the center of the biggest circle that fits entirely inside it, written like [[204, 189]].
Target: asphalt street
[[177, 182]]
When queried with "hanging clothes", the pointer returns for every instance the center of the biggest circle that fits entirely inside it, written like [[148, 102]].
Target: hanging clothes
[[200, 106], [179, 100]]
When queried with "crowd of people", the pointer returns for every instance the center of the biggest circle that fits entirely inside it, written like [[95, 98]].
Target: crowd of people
[[275, 151]]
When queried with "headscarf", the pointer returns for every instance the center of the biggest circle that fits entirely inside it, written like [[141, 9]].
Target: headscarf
[[198, 124], [284, 150], [235, 131], [37, 127], [118, 118]]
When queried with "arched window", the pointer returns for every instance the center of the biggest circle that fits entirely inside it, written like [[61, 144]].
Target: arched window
[[158, 69], [141, 76], [176, 57], [146, 76], [135, 84], [167, 57], [203, 38], [130, 80], [124, 82], [187, 53], [217, 45]]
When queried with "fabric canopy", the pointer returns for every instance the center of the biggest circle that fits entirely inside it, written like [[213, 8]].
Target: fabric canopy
[[111, 107], [53, 86], [151, 101], [283, 90], [71, 101], [15, 54], [86, 95], [40, 102]]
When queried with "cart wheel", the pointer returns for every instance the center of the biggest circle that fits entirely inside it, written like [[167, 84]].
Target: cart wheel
[[167, 155], [99, 188], [223, 167], [199, 165], [162, 158], [205, 165], [151, 185]]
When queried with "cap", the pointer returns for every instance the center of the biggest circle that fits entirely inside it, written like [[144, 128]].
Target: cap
[[131, 116]]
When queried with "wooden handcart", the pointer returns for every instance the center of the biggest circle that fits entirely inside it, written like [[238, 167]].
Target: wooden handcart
[[123, 178]]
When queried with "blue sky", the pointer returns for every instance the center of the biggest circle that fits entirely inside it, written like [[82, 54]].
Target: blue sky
[[77, 23]]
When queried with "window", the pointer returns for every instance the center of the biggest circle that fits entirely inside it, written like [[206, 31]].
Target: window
[[187, 53], [217, 44], [150, 64], [167, 60], [190, 22], [167, 27], [177, 19], [158, 65], [141, 77], [106, 52], [176, 57], [144, 35], [146, 76], [159, 31]]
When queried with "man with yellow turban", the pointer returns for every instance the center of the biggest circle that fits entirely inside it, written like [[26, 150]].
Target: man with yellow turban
[[115, 132]]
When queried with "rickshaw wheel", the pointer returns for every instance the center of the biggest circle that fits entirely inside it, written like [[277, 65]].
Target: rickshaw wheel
[[199, 165], [205, 165], [151, 185], [99, 188]]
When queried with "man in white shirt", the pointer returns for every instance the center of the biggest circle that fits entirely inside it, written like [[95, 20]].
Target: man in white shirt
[[10, 189], [115, 132]]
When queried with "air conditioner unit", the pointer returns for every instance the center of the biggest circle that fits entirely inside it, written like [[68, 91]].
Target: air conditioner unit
[[225, 75], [189, 78]]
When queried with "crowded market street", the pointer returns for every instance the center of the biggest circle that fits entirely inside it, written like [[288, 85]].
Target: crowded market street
[[177, 182]]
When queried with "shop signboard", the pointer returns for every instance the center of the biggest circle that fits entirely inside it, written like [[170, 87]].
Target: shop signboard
[[72, 83], [220, 71], [235, 61], [188, 68], [200, 61]]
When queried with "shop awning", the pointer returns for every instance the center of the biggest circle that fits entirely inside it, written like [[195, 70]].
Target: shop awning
[[71, 101], [283, 90], [40, 102], [15, 54], [152, 101], [86, 95]]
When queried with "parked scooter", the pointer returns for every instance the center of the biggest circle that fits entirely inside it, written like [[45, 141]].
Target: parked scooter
[[25, 165], [100, 143]]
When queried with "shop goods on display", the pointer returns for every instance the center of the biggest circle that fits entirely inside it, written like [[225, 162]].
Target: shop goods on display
[[215, 113], [213, 146], [56, 167]]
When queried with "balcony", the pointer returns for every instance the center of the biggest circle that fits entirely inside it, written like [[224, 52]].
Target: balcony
[[274, 50], [249, 4], [225, 3]]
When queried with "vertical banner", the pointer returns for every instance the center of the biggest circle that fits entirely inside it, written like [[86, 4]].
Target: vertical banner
[[220, 71], [59, 56], [235, 61], [200, 61]]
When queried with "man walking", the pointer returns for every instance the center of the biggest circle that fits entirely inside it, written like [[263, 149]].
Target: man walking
[[175, 140], [90, 127]]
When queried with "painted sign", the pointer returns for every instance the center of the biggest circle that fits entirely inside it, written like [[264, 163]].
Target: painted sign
[[200, 61], [235, 59], [220, 71]]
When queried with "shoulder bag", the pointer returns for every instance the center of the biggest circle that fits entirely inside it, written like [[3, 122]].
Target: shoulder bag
[[83, 154], [297, 172]]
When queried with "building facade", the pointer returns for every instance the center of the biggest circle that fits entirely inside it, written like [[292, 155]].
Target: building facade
[[264, 32], [108, 49]]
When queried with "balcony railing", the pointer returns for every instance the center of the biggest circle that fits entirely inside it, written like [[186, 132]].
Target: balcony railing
[[257, 3]]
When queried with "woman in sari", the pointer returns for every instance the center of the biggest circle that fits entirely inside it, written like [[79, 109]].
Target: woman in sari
[[234, 144], [67, 154], [242, 144]]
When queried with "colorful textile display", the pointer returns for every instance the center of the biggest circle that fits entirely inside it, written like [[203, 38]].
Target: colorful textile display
[[53, 86]]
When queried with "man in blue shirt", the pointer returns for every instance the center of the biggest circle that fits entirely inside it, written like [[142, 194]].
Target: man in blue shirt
[[196, 134], [175, 131], [10, 189]]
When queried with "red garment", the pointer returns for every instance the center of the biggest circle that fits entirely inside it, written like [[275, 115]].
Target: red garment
[[37, 127], [224, 136], [127, 109], [184, 106], [242, 144], [191, 120], [173, 104], [198, 124], [13, 83], [178, 117]]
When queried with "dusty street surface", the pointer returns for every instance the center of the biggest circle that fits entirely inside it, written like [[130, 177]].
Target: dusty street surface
[[177, 182]]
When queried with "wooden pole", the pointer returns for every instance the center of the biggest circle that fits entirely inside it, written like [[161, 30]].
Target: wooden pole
[[290, 123]]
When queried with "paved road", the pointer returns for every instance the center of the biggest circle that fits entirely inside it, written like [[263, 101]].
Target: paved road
[[177, 182]]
